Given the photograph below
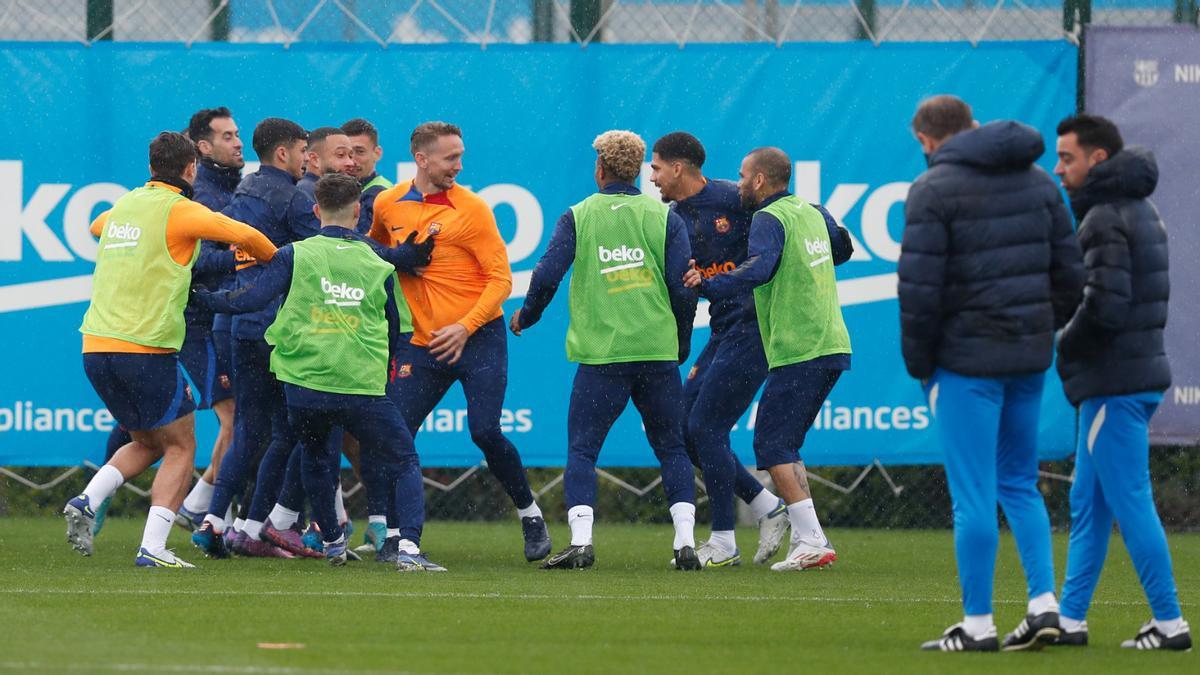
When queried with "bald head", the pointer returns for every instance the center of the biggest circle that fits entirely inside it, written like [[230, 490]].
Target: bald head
[[764, 172]]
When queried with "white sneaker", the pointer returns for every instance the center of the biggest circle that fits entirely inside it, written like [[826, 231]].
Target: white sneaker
[[771, 529], [806, 557], [711, 555]]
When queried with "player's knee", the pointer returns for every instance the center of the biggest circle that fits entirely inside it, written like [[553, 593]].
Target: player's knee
[[488, 438]]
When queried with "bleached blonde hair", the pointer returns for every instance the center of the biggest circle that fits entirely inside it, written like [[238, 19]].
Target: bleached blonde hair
[[622, 153]]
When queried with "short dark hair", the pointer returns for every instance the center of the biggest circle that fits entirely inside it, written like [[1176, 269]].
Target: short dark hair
[[170, 153], [361, 127], [336, 192], [1093, 131], [200, 126], [427, 133], [774, 164], [680, 146], [319, 134], [940, 117], [274, 132]]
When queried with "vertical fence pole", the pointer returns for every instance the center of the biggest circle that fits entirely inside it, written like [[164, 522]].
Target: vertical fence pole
[[99, 17], [585, 14], [543, 21], [220, 23], [1185, 11], [868, 10]]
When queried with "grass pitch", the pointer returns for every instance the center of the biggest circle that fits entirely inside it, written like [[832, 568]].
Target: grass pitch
[[493, 613]]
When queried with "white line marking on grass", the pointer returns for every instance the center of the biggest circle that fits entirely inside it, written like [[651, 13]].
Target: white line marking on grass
[[432, 595], [188, 668]]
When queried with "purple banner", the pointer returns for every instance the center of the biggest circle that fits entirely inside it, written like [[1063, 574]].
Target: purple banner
[[1147, 80]]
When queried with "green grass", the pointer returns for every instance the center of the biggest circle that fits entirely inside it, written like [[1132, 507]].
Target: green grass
[[493, 613]]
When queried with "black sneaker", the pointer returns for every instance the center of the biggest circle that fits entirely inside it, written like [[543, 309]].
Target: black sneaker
[[1069, 638], [390, 552], [1033, 633], [1150, 637], [571, 557], [955, 639], [686, 559], [537, 538]]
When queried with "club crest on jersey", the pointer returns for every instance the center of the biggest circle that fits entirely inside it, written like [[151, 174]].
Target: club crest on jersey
[[435, 228], [405, 370], [187, 392], [721, 225], [692, 372], [225, 383]]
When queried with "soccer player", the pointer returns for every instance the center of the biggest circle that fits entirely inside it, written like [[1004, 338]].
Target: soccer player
[[989, 267], [789, 268], [331, 339], [1114, 368], [206, 349], [364, 141], [631, 326], [458, 325], [328, 152], [732, 366], [133, 330], [269, 200]]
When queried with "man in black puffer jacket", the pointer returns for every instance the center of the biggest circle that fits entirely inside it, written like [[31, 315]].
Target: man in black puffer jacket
[[989, 268], [1114, 368]]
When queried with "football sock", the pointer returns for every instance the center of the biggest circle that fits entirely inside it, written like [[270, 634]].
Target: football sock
[[580, 519], [724, 540], [393, 532], [977, 624], [158, 526], [1169, 626], [1071, 625], [253, 529], [531, 511], [218, 522], [409, 547], [339, 505], [283, 518], [805, 526], [683, 515], [763, 503], [103, 485], [239, 524], [382, 520], [1043, 603], [200, 497]]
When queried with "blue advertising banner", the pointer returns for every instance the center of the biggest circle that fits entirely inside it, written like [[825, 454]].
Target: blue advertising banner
[[1147, 80], [82, 118]]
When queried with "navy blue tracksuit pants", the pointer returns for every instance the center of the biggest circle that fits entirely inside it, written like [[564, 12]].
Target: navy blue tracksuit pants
[[718, 391], [419, 381], [598, 397]]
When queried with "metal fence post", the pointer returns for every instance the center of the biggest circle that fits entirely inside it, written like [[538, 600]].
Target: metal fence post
[[99, 18], [221, 22], [543, 21], [868, 10], [585, 14], [1185, 11]]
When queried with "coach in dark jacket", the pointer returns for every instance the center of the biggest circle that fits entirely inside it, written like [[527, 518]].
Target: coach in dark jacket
[[989, 268], [1115, 370], [1114, 343], [989, 265]]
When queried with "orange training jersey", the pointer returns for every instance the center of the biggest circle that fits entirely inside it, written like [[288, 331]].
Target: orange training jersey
[[469, 278]]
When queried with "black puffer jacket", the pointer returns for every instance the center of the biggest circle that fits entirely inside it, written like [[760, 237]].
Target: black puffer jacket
[[1113, 344], [989, 263]]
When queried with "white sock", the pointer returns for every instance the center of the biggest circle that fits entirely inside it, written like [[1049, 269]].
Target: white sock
[[805, 526], [580, 519], [1071, 625], [239, 524], [1043, 603], [978, 625], [283, 518], [531, 511], [683, 515], [218, 522], [393, 532], [103, 485], [1169, 626], [228, 514], [253, 529], [158, 526], [763, 503], [723, 539], [200, 497], [409, 547], [382, 520], [339, 505]]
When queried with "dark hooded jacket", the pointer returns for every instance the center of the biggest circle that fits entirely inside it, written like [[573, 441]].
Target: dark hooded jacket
[[1113, 344], [989, 263]]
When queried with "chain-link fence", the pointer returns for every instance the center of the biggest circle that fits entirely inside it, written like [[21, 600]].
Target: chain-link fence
[[484, 22]]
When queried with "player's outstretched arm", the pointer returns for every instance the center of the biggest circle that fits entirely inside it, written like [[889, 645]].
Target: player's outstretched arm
[[763, 253], [548, 274], [271, 284]]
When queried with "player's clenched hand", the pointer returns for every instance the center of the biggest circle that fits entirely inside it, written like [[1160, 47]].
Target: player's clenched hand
[[514, 324], [692, 277], [447, 343]]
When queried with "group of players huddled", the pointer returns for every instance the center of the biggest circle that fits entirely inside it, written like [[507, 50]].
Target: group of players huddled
[[322, 311]]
